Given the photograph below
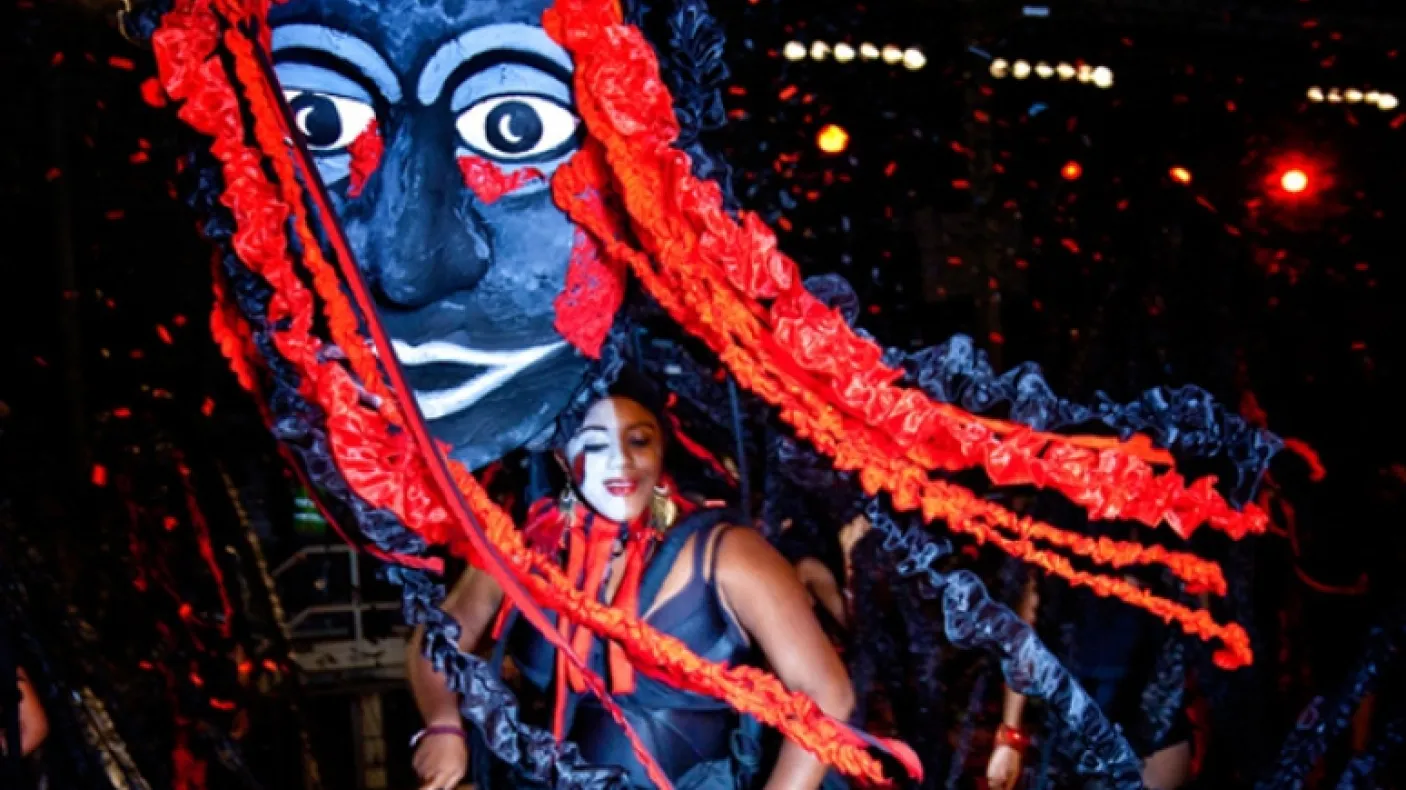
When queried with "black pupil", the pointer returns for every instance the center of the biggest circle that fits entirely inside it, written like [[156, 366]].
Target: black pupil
[[318, 119], [514, 127]]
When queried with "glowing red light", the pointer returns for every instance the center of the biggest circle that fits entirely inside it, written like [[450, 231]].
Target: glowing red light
[[1181, 175], [1294, 181], [1071, 170]]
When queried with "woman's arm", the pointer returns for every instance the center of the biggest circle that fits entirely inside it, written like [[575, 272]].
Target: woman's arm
[[442, 760], [762, 590], [1003, 769]]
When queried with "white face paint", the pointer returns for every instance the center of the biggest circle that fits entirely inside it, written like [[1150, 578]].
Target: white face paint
[[617, 458]]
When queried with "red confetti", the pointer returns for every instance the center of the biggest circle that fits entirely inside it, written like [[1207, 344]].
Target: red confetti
[[115, 214], [787, 93], [138, 157], [1071, 245], [208, 407], [53, 174], [56, 59], [152, 93], [99, 476], [996, 338], [219, 704], [162, 333], [121, 63], [890, 169], [122, 413]]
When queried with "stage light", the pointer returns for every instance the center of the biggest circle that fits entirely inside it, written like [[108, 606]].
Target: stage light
[[1352, 95], [794, 50], [1180, 175], [1043, 70], [1085, 73], [1065, 71], [1387, 101], [914, 59], [1020, 70], [1294, 181], [868, 51], [832, 139], [1373, 98], [892, 55], [1103, 77], [1335, 96], [819, 50], [1000, 68], [844, 53], [1071, 171], [1315, 94]]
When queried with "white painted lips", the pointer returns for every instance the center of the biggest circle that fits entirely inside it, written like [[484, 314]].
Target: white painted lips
[[500, 366]]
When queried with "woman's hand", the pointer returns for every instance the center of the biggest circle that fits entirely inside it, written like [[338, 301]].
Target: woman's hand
[[1003, 769], [441, 761]]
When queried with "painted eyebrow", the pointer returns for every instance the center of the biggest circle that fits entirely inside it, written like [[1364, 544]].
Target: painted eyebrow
[[344, 48], [512, 41]]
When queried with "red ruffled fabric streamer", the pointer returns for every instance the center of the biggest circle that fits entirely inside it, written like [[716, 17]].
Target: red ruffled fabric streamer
[[367, 430], [715, 275]]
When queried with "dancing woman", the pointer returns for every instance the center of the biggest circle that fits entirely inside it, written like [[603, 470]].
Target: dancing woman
[[625, 535]]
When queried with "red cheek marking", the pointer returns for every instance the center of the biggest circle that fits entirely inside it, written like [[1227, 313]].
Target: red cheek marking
[[489, 182], [594, 289], [365, 152], [578, 470]]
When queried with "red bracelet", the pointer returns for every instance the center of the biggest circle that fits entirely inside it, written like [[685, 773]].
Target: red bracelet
[[437, 730], [1014, 737]]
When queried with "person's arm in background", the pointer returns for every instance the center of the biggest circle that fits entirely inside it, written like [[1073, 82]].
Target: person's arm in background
[[1003, 769], [821, 584], [441, 760]]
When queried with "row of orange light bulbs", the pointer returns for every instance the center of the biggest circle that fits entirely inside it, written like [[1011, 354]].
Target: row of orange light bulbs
[[1292, 180]]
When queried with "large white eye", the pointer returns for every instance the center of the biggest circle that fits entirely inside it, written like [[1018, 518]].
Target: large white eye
[[329, 123], [517, 127]]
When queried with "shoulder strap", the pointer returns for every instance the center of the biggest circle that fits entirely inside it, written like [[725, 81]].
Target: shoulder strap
[[701, 522]]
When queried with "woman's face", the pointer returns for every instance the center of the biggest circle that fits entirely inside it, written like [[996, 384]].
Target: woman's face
[[617, 458]]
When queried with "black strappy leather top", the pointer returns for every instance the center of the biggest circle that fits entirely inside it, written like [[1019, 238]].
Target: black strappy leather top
[[681, 729]]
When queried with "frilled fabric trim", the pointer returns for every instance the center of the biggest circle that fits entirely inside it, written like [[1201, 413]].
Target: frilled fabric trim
[[379, 452], [716, 276], [973, 620]]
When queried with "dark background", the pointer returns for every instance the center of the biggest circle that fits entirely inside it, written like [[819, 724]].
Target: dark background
[[948, 212]]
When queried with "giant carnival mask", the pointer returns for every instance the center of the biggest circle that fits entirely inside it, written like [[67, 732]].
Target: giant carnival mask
[[436, 127], [462, 185]]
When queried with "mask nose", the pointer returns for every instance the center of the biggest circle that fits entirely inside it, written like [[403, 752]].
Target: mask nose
[[424, 238]]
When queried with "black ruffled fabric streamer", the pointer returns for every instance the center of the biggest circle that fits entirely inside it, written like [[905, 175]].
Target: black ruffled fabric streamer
[[1387, 746], [1164, 695], [974, 620], [1184, 420], [1322, 721], [485, 700]]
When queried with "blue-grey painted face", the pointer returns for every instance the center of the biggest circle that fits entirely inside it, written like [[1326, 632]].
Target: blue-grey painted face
[[397, 100]]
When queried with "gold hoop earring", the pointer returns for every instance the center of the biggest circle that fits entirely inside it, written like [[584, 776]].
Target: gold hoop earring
[[663, 510]]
